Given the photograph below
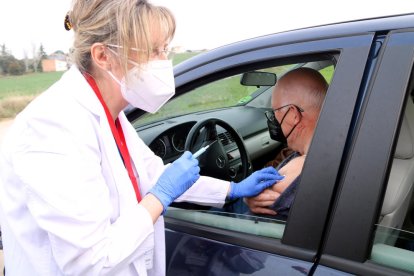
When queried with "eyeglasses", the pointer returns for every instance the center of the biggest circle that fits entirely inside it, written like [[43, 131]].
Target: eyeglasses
[[270, 115], [297, 107], [155, 51]]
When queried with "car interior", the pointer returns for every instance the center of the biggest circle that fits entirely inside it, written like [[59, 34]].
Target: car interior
[[394, 241], [194, 120], [400, 184]]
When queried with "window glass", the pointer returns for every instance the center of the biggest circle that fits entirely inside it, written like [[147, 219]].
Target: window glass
[[252, 224], [223, 93], [327, 72], [394, 235], [394, 248], [204, 98], [211, 96]]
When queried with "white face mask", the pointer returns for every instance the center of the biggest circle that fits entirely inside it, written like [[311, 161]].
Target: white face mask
[[149, 86]]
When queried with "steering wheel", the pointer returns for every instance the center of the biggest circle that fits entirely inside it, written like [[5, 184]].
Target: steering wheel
[[217, 161]]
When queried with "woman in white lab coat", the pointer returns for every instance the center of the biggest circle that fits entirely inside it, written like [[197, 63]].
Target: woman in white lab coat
[[81, 193]]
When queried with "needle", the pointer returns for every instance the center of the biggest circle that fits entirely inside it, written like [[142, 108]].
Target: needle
[[202, 150]]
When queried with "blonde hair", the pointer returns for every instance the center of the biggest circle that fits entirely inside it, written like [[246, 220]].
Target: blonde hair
[[127, 23]]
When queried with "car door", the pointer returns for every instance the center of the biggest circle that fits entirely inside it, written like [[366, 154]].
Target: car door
[[203, 243], [352, 242]]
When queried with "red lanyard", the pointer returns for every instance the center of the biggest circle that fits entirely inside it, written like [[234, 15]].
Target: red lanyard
[[118, 135]]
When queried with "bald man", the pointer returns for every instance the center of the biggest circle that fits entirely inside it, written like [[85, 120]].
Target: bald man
[[297, 99]]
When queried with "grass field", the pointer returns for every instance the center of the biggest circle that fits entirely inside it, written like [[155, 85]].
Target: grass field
[[27, 85], [17, 91]]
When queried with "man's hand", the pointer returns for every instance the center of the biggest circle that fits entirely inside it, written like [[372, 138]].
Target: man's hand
[[259, 204]]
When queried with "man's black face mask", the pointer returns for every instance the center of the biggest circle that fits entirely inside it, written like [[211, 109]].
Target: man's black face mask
[[275, 128]]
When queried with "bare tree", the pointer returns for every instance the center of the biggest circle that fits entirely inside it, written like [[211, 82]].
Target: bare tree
[[4, 59], [26, 61], [36, 57]]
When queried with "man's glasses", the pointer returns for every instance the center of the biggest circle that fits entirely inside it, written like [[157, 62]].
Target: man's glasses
[[270, 115]]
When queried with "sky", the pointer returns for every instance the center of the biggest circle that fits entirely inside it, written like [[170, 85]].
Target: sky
[[201, 24]]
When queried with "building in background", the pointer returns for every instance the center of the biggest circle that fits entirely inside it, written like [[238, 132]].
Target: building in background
[[58, 61]]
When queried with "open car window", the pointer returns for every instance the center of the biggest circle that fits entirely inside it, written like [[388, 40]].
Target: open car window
[[227, 93]]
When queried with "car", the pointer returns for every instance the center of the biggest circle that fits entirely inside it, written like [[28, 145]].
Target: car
[[353, 211]]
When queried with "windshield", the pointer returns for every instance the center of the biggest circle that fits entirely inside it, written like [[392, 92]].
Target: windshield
[[223, 93]]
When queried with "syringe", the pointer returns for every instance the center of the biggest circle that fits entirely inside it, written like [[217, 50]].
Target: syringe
[[202, 150]]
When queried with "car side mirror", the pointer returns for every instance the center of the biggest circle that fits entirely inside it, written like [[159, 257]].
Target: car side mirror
[[256, 78]]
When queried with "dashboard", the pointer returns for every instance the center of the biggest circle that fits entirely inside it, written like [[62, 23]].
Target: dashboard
[[169, 145], [167, 138]]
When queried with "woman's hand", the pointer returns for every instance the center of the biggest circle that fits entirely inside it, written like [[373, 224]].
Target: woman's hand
[[176, 179], [255, 183]]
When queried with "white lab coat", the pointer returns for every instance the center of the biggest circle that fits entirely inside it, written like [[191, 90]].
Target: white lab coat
[[67, 204]]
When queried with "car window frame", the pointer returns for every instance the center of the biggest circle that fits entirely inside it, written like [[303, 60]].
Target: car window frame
[[354, 51]]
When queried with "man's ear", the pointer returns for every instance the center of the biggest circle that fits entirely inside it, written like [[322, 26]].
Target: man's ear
[[100, 56], [298, 115]]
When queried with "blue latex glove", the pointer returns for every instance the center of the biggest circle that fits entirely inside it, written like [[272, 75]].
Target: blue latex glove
[[255, 183], [176, 179]]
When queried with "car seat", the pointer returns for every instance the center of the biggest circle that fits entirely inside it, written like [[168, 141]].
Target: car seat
[[400, 185]]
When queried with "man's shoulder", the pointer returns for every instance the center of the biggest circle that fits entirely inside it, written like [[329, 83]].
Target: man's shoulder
[[292, 155], [280, 157]]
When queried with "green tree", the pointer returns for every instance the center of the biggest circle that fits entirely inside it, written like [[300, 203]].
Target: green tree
[[9, 65], [42, 53], [3, 50], [16, 67]]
